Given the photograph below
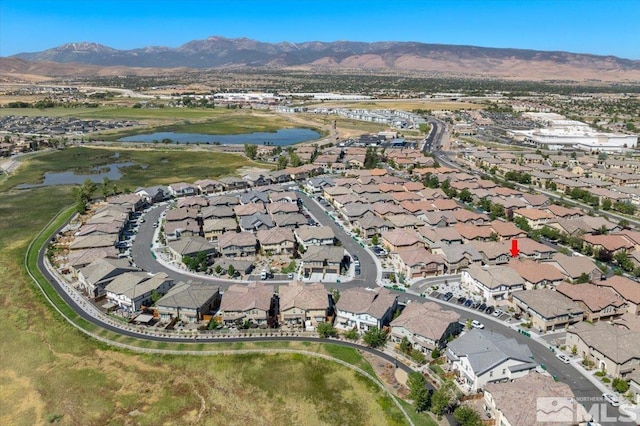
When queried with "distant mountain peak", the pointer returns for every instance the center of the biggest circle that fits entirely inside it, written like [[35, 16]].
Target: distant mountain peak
[[217, 51]]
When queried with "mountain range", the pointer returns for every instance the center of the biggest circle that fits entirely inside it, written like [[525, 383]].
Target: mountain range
[[220, 52]]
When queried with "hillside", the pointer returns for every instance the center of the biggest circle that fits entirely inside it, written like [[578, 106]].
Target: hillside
[[219, 52]]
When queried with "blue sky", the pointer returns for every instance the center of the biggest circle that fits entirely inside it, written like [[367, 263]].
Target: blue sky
[[604, 27]]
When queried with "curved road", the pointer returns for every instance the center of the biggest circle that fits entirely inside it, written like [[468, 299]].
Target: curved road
[[141, 253]]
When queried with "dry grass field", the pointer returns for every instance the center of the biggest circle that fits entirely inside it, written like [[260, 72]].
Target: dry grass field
[[52, 373]]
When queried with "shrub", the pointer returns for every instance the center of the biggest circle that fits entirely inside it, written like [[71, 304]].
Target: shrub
[[606, 380], [620, 385]]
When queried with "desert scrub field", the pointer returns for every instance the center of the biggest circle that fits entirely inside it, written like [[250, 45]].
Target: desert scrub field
[[51, 372]]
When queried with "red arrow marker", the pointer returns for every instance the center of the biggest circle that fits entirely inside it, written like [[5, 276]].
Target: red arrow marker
[[514, 248]]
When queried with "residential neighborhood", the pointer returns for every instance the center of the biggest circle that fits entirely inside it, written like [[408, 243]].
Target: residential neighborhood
[[267, 251]]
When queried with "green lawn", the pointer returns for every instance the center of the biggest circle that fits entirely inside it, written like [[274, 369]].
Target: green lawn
[[52, 372]]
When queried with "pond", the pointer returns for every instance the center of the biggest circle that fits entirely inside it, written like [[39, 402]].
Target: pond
[[111, 171], [282, 137]]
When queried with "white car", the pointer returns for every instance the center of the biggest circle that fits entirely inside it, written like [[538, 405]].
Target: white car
[[611, 399], [563, 357], [477, 324], [497, 313]]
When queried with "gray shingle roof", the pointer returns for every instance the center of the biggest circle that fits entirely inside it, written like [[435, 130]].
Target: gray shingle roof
[[486, 349]]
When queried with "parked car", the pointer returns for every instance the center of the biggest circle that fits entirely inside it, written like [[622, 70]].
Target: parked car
[[611, 399], [489, 310], [482, 307], [475, 305], [357, 271], [468, 303], [563, 357], [477, 324], [497, 313], [379, 251], [448, 296], [461, 300]]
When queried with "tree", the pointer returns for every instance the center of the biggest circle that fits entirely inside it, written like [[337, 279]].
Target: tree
[[418, 391], [623, 261], [218, 269], [444, 398], [282, 162], [326, 329], [155, 296], [465, 196], [522, 223], [83, 195], [251, 150], [435, 353], [375, 240], [606, 204], [375, 337], [467, 416], [294, 160], [405, 345], [335, 294], [371, 158], [624, 224], [231, 271], [583, 278]]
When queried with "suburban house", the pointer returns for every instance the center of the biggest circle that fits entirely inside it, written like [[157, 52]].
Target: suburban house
[[93, 278], [303, 305], [235, 244], [208, 186], [191, 247], [78, 259], [189, 302], [397, 239], [132, 290], [363, 309], [154, 194], [315, 236], [613, 244], [417, 262], [425, 325], [217, 212], [94, 241], [251, 302], [276, 241], [213, 228], [612, 348], [534, 217], [506, 230], [492, 252], [480, 357], [230, 183], [536, 274], [457, 256], [598, 303], [493, 283], [517, 402], [547, 309], [182, 189], [576, 267], [322, 260], [627, 289], [371, 224], [255, 222]]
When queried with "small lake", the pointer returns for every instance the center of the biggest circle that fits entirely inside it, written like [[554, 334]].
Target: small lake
[[111, 171], [282, 137]]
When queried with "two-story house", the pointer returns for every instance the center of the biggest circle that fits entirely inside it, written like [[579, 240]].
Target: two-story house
[[362, 309]]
